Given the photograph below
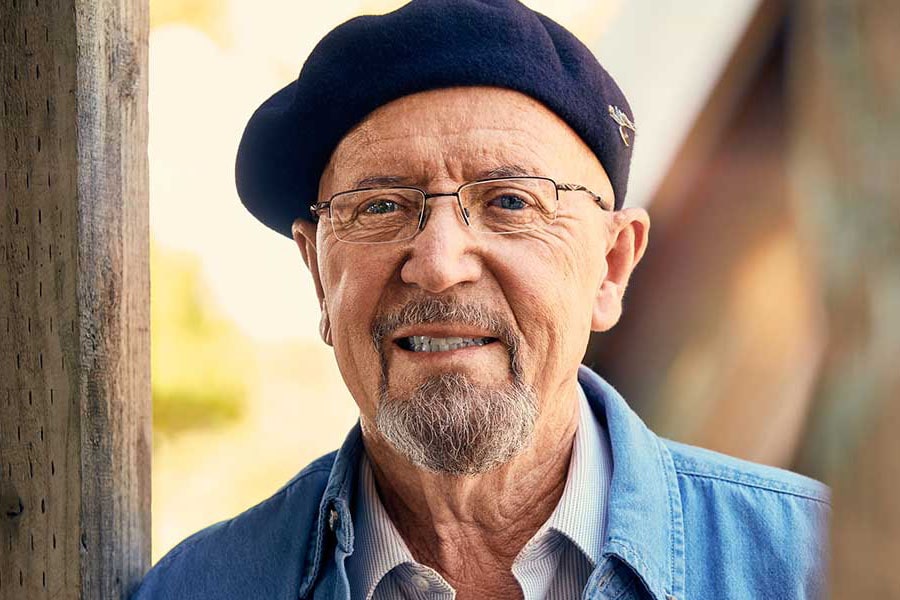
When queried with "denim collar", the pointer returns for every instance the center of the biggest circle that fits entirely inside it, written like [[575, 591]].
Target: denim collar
[[334, 509], [645, 526]]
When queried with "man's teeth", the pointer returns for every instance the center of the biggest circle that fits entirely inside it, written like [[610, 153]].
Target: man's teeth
[[421, 343]]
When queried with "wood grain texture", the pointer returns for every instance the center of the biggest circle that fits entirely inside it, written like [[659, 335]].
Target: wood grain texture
[[74, 299]]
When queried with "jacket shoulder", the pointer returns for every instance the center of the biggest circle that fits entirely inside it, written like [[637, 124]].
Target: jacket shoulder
[[258, 553], [761, 527], [700, 463]]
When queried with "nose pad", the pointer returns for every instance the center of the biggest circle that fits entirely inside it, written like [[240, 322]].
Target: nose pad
[[427, 208]]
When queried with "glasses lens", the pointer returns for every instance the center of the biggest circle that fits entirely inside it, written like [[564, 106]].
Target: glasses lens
[[376, 216], [510, 205]]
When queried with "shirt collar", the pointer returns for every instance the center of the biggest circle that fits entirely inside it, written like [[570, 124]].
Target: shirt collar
[[580, 514]]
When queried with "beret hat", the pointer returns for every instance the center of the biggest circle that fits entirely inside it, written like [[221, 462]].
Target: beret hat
[[424, 45]]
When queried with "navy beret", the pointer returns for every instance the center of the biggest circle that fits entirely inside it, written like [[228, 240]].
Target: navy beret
[[426, 44]]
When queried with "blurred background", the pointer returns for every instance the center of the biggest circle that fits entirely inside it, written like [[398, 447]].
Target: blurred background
[[762, 323]]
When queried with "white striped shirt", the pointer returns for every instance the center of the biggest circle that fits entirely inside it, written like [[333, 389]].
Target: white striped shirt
[[554, 564]]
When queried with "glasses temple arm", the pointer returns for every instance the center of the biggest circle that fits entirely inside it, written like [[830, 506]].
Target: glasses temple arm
[[574, 187]]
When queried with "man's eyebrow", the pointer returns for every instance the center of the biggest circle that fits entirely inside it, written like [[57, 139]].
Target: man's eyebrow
[[510, 170], [381, 181]]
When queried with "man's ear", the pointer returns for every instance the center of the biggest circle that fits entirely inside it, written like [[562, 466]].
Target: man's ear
[[304, 233], [628, 231]]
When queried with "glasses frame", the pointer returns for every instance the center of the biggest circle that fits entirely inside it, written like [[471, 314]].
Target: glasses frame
[[316, 210]]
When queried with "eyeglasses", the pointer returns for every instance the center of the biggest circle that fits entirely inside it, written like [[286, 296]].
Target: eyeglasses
[[502, 206]]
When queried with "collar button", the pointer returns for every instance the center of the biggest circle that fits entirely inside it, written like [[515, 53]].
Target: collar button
[[421, 583]]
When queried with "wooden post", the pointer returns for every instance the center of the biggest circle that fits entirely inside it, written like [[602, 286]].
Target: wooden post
[[846, 162], [74, 299]]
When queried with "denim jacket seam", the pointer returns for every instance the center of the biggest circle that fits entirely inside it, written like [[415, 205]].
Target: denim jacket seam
[[757, 484], [676, 520], [669, 491]]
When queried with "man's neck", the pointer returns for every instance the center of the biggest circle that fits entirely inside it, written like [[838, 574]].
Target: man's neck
[[470, 529]]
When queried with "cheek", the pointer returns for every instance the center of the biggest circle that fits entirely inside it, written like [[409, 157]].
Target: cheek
[[548, 279], [578, 249], [352, 295], [567, 262], [353, 279]]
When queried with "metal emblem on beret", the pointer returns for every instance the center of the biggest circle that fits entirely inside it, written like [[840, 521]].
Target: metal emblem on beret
[[622, 121]]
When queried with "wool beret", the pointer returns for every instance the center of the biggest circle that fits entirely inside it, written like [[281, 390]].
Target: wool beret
[[424, 45]]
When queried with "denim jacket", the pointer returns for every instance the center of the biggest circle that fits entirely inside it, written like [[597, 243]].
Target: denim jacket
[[683, 523]]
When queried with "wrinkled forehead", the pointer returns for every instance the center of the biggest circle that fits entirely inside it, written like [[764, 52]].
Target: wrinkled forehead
[[458, 134]]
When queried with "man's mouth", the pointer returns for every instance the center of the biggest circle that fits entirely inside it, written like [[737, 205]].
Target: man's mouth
[[424, 343]]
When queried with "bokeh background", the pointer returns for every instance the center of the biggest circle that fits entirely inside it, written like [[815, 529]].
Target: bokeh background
[[761, 324]]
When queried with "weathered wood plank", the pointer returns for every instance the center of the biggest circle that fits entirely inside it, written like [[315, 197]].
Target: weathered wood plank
[[74, 299]]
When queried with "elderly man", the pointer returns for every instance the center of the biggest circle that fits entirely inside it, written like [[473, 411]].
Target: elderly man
[[453, 174]]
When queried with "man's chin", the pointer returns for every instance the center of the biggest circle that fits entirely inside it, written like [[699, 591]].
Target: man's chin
[[448, 423]]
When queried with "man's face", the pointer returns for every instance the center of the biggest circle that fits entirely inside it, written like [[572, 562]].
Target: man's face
[[533, 297]]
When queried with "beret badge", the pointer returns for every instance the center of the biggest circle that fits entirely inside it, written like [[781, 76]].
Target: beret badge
[[622, 120]]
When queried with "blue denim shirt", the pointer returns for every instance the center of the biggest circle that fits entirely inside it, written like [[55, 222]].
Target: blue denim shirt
[[682, 523]]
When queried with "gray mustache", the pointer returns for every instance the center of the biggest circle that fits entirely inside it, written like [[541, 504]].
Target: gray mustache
[[446, 311]]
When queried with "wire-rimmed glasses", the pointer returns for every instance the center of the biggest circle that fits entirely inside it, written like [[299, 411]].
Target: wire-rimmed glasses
[[501, 205]]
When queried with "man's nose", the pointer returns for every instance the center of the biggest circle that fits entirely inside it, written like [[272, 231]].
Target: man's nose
[[443, 254]]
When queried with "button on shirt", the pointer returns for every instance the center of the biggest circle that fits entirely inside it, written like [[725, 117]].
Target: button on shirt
[[555, 563]]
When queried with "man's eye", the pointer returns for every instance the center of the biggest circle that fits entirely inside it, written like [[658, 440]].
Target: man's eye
[[510, 202], [380, 207]]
